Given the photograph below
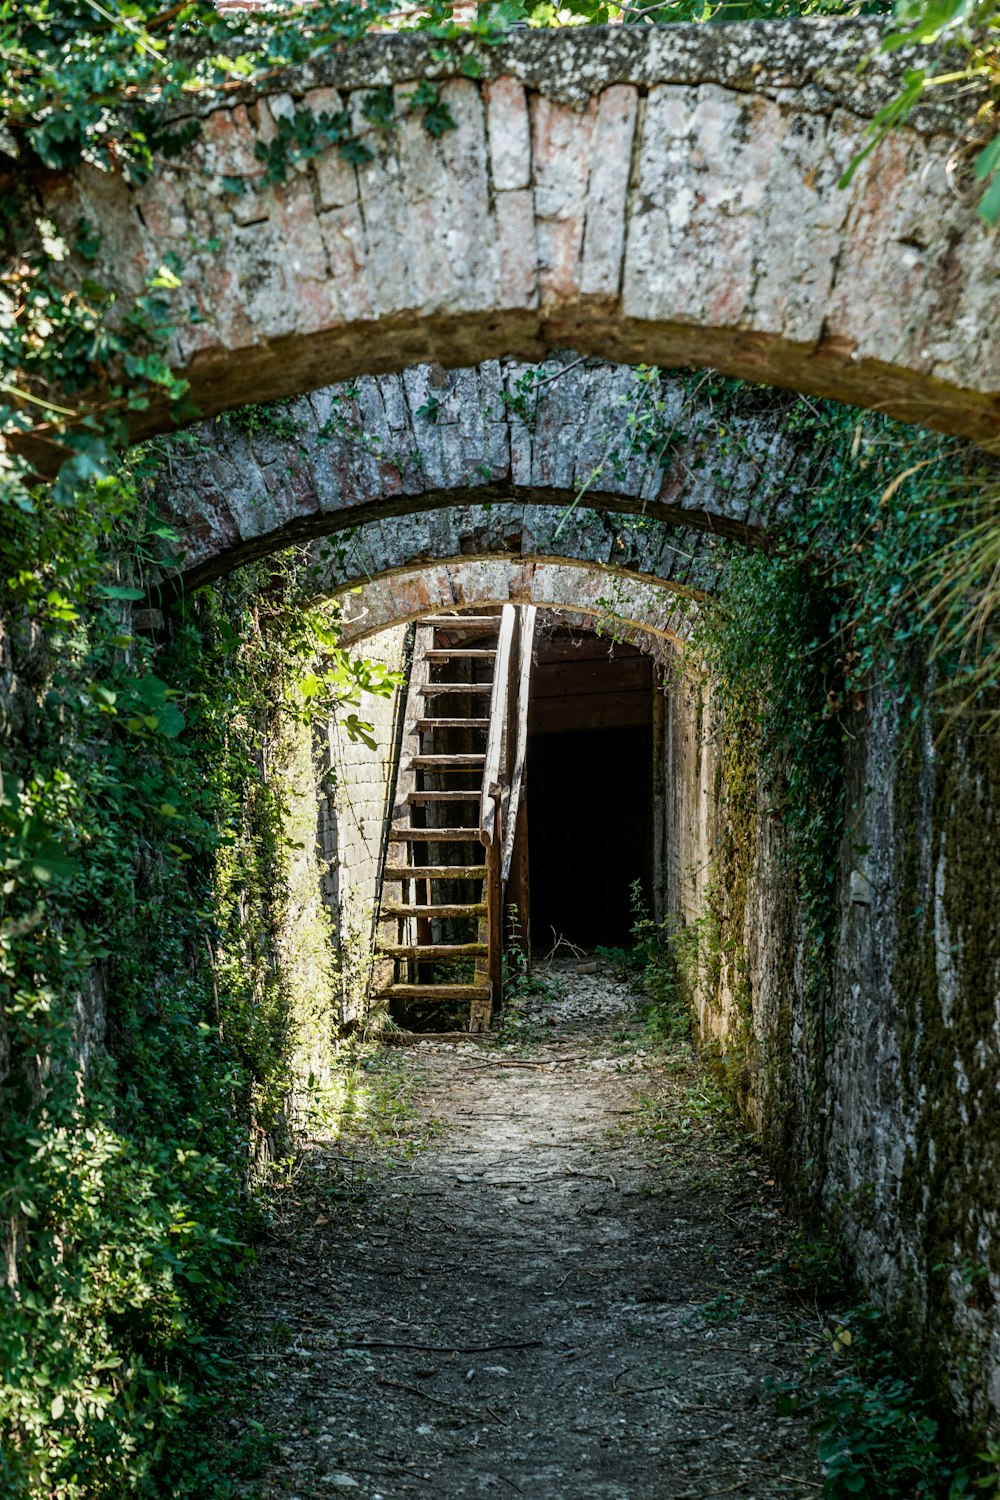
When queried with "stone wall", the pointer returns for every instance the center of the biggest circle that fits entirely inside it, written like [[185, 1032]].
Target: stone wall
[[354, 804], [438, 463], [656, 194], [877, 1100], [913, 1154]]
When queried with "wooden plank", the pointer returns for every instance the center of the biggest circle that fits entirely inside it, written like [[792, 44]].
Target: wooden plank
[[435, 835], [469, 909], [469, 795], [436, 992], [436, 689], [464, 653], [426, 726], [435, 872], [446, 762], [481, 1014], [518, 885], [526, 644], [466, 622], [498, 713], [660, 782], [433, 950]]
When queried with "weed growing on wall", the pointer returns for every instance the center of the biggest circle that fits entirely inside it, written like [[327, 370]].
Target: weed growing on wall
[[876, 1435]]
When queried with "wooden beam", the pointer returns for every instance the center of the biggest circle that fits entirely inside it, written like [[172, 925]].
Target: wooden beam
[[498, 713], [518, 886], [525, 646]]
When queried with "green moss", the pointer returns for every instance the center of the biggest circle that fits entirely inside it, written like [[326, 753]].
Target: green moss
[[946, 1027]]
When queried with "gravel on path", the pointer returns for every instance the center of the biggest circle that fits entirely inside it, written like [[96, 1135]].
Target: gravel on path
[[562, 1294]]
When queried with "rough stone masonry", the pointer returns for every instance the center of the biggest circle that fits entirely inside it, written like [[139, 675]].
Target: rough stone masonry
[[657, 194]]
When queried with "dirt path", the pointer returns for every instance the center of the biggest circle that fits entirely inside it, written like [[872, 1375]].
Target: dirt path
[[556, 1297]]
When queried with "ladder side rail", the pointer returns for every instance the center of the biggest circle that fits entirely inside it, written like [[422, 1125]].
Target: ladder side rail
[[495, 734], [517, 779], [398, 852], [491, 933]]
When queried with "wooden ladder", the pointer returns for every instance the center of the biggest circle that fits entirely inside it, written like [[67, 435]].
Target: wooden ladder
[[457, 790]]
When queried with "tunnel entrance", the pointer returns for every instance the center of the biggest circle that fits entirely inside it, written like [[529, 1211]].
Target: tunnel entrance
[[590, 826]]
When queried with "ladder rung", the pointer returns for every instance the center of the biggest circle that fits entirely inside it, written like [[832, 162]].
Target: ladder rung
[[433, 950], [435, 992], [434, 872], [445, 653], [432, 689], [474, 909], [470, 795], [425, 725], [433, 835], [445, 762]]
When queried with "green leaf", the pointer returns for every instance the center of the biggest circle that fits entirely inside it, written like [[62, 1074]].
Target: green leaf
[[988, 159], [119, 591], [48, 862], [989, 207], [170, 721]]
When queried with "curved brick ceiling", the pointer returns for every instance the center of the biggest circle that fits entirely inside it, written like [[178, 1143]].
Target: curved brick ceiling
[[621, 608], [434, 459]]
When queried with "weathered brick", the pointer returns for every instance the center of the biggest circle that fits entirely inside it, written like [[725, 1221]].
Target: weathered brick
[[604, 237], [517, 249], [562, 144], [509, 127]]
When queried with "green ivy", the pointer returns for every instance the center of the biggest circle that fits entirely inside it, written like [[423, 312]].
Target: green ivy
[[143, 870]]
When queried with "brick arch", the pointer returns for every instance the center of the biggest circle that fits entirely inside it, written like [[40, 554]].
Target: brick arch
[[441, 459], [592, 599], [657, 194], [677, 565]]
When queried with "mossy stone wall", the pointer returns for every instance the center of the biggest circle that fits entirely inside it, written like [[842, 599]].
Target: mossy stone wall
[[877, 1091]]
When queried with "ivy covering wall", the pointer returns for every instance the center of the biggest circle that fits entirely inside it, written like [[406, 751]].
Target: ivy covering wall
[[152, 1032]]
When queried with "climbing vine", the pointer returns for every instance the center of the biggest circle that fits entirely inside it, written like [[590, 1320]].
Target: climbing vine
[[146, 1026], [143, 870]]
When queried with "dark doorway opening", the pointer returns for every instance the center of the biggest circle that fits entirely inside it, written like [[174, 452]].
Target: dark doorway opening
[[590, 823]]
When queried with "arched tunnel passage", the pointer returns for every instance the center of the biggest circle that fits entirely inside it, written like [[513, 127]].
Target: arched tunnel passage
[[727, 246], [540, 539], [434, 463], [591, 818], [589, 826]]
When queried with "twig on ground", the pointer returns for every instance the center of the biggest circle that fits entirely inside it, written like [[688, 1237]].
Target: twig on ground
[[562, 942], [724, 1411], [439, 1348], [391, 1469], [414, 1390], [597, 1176]]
